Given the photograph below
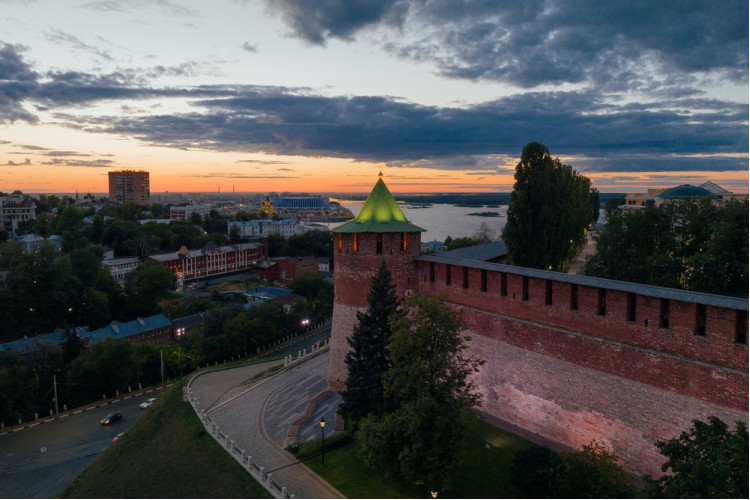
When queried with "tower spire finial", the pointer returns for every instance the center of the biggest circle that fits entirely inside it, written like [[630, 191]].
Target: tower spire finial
[[380, 175]]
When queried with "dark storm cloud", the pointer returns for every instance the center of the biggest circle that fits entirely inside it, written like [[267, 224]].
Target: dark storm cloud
[[316, 22], [17, 82], [681, 130], [397, 132], [545, 42]]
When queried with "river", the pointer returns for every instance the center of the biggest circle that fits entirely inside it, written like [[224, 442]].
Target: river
[[441, 221]]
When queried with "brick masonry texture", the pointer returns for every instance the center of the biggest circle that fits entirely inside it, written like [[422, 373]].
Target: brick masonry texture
[[571, 363]]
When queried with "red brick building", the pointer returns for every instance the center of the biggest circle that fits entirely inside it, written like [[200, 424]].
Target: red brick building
[[211, 260], [569, 358]]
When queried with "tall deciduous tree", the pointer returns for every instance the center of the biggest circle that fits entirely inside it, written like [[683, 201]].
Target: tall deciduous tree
[[369, 357], [550, 208], [429, 381], [692, 245], [708, 461]]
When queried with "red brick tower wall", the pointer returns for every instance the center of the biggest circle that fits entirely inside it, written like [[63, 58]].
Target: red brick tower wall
[[356, 258]]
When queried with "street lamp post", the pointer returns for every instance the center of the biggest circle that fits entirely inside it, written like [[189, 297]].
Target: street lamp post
[[323, 439], [305, 322], [54, 384]]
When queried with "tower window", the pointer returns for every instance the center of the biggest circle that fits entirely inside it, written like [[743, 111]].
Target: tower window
[[631, 306], [741, 330], [525, 289], [355, 243], [700, 320], [664, 313], [432, 272], [602, 303], [548, 292], [379, 244], [448, 274], [503, 284], [341, 242], [466, 277], [484, 280], [573, 297], [403, 242]]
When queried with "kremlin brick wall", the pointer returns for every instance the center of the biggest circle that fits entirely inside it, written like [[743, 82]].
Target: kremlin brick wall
[[571, 359]]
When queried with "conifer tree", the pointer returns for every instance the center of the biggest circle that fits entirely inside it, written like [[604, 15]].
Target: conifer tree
[[369, 358]]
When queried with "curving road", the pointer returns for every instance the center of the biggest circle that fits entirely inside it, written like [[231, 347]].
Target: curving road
[[258, 421], [39, 461]]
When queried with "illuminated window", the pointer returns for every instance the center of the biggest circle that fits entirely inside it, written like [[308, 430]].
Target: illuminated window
[[341, 242], [355, 243], [403, 242]]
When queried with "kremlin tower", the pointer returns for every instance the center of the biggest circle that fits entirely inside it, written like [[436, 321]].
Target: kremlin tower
[[380, 232]]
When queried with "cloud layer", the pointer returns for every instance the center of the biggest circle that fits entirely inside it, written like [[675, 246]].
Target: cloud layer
[[619, 85]]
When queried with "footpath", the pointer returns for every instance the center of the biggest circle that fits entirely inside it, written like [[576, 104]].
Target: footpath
[[254, 421]]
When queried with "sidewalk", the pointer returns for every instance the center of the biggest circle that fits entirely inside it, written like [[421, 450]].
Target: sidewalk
[[258, 421]]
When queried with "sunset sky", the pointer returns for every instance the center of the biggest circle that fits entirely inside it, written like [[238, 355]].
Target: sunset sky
[[320, 96]]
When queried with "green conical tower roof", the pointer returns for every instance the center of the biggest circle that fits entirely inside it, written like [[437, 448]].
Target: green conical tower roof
[[379, 214]]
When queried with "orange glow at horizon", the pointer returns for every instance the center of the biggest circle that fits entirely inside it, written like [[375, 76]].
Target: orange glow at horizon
[[204, 171]]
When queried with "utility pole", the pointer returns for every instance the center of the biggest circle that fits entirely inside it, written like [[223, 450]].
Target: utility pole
[[161, 358], [54, 384]]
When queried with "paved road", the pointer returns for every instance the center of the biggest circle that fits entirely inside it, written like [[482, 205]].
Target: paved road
[[38, 462], [589, 248], [258, 421]]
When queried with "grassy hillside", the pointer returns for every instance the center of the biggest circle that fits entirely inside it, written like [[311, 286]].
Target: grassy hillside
[[166, 454]]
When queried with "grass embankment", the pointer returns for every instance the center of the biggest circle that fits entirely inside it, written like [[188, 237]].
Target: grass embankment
[[167, 453], [485, 471]]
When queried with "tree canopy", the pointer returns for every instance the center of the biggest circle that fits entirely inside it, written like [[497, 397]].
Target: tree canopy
[[429, 382], [369, 357], [693, 245], [707, 461], [551, 206]]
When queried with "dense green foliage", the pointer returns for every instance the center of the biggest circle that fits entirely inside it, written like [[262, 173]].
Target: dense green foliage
[[369, 358], [48, 289], [708, 461], [421, 438], [533, 471], [591, 472], [55, 290], [167, 453], [551, 207], [693, 245]]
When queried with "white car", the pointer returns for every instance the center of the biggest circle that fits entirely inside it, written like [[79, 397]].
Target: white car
[[147, 403]]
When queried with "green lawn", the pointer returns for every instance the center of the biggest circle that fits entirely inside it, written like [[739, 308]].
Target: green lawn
[[484, 473], [166, 454]]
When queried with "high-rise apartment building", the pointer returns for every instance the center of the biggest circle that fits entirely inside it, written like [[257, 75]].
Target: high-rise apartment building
[[129, 186]]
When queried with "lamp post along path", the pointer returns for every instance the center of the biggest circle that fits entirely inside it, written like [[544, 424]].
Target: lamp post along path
[[323, 439]]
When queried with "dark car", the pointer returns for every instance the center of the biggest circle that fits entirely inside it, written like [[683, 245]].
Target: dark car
[[111, 418]]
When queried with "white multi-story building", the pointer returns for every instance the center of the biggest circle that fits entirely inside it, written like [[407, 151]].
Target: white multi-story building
[[186, 211], [263, 228], [119, 268]]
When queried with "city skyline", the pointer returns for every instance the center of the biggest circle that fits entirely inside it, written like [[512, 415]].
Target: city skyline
[[318, 97]]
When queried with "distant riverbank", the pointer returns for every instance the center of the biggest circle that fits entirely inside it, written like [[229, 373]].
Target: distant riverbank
[[441, 220]]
